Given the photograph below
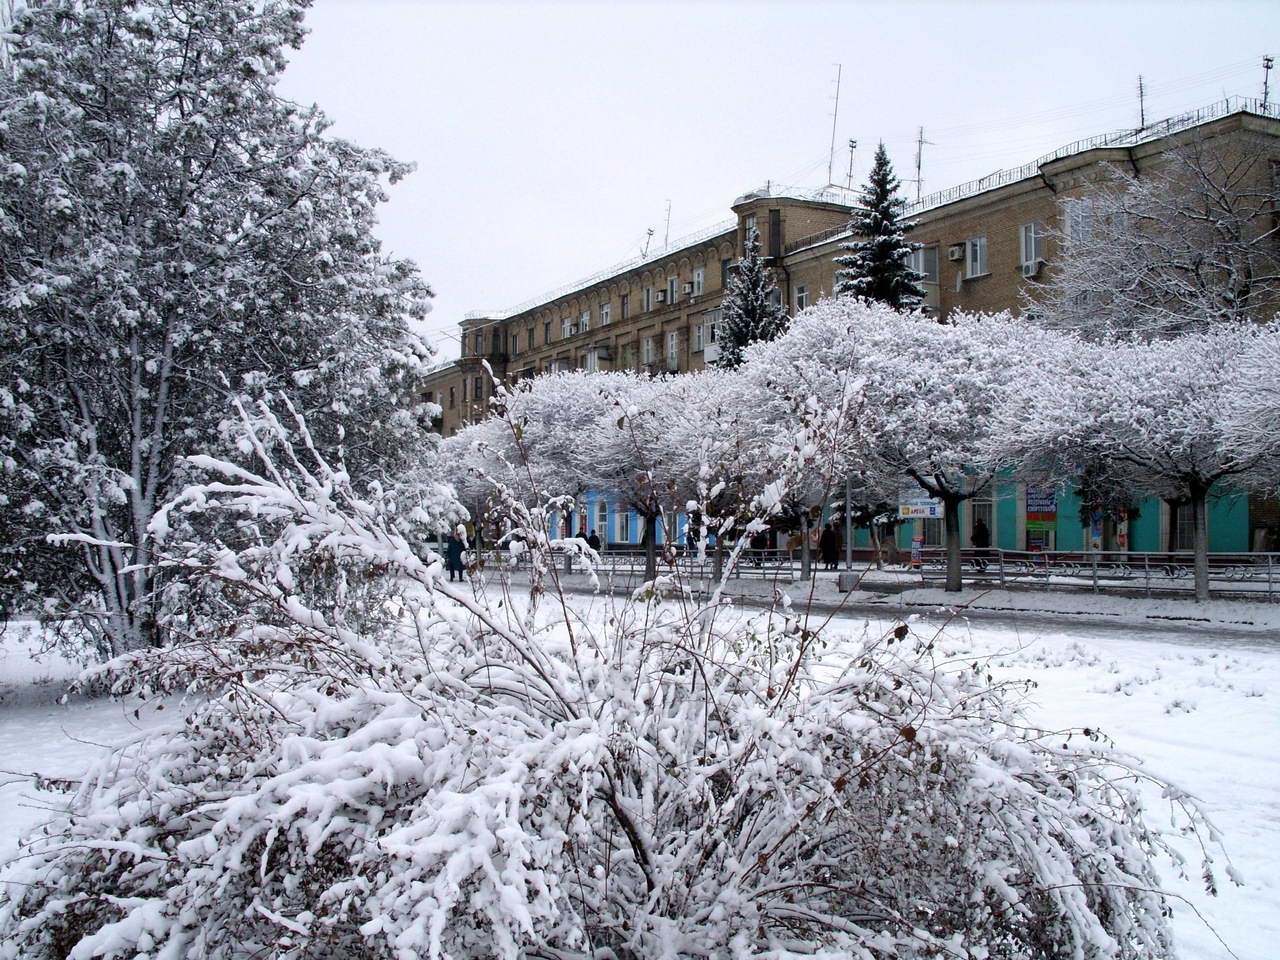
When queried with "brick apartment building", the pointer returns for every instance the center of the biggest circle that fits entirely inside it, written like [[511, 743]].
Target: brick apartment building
[[983, 245]]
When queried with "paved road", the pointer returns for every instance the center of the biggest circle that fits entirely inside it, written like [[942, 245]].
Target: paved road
[[1095, 626]]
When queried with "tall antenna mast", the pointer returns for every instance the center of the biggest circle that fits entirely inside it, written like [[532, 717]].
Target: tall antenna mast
[[853, 145], [920, 142], [648, 235], [666, 234], [831, 154], [1142, 104], [1267, 63]]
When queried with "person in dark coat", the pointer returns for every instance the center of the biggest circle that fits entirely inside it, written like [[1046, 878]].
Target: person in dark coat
[[453, 557], [829, 547], [981, 540], [593, 541]]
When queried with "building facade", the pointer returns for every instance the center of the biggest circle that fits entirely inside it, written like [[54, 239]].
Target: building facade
[[984, 246]]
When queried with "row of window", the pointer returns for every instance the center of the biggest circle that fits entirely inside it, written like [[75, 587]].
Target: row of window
[[651, 297], [924, 260]]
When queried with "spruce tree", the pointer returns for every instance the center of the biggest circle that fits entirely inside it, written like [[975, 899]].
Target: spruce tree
[[875, 265], [750, 311]]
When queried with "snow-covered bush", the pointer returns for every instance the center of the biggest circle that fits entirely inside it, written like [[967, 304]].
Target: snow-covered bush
[[400, 768]]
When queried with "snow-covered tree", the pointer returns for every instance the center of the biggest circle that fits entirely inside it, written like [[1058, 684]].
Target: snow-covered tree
[[1253, 409], [927, 393], [751, 310], [173, 234], [874, 264], [401, 768], [1157, 415], [1189, 240]]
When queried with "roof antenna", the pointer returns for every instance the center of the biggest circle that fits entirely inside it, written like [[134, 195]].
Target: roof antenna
[[853, 145], [1142, 104], [666, 236], [920, 142], [1267, 63], [831, 154], [648, 235]]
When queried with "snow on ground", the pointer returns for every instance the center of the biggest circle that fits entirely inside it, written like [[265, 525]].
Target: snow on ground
[[1202, 717], [40, 734], [1200, 713]]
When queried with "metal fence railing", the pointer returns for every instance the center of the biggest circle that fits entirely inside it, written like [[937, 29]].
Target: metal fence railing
[[1254, 575], [1250, 575]]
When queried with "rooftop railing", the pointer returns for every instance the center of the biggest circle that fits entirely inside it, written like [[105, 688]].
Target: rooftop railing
[[679, 243], [1117, 138]]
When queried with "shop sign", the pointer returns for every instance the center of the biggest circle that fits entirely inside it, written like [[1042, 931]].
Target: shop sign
[[1042, 508], [919, 507]]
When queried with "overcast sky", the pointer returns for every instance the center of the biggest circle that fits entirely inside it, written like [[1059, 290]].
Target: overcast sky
[[550, 136]]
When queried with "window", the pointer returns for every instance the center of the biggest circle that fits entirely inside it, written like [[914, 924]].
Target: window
[[775, 233], [566, 327], [515, 342], [726, 271], [1079, 219], [602, 519], [464, 389], [924, 261], [453, 399], [624, 526], [1184, 528], [646, 350], [699, 280], [592, 364], [1031, 242], [697, 337], [802, 297], [477, 389], [932, 531], [478, 339], [624, 306], [584, 322], [748, 223], [546, 332], [646, 297], [529, 338], [672, 284], [673, 350], [975, 257], [711, 325], [606, 314], [776, 297]]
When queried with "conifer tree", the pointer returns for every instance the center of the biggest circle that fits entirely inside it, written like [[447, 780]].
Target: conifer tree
[[750, 310], [875, 264]]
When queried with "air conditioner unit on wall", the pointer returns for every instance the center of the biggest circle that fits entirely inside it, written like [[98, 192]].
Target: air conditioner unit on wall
[[688, 289], [662, 296], [711, 353], [955, 252], [1032, 269]]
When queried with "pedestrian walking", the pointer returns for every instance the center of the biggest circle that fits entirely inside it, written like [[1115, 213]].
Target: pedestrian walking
[[453, 557], [981, 540], [829, 547]]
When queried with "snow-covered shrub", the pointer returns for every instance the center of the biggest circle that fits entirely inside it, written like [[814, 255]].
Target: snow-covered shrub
[[415, 771]]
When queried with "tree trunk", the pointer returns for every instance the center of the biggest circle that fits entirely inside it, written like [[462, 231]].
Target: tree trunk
[[650, 542], [717, 569], [1200, 518], [876, 546], [806, 560], [951, 522]]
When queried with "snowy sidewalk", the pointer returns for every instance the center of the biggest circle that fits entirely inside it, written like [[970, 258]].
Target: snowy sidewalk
[[1252, 619]]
